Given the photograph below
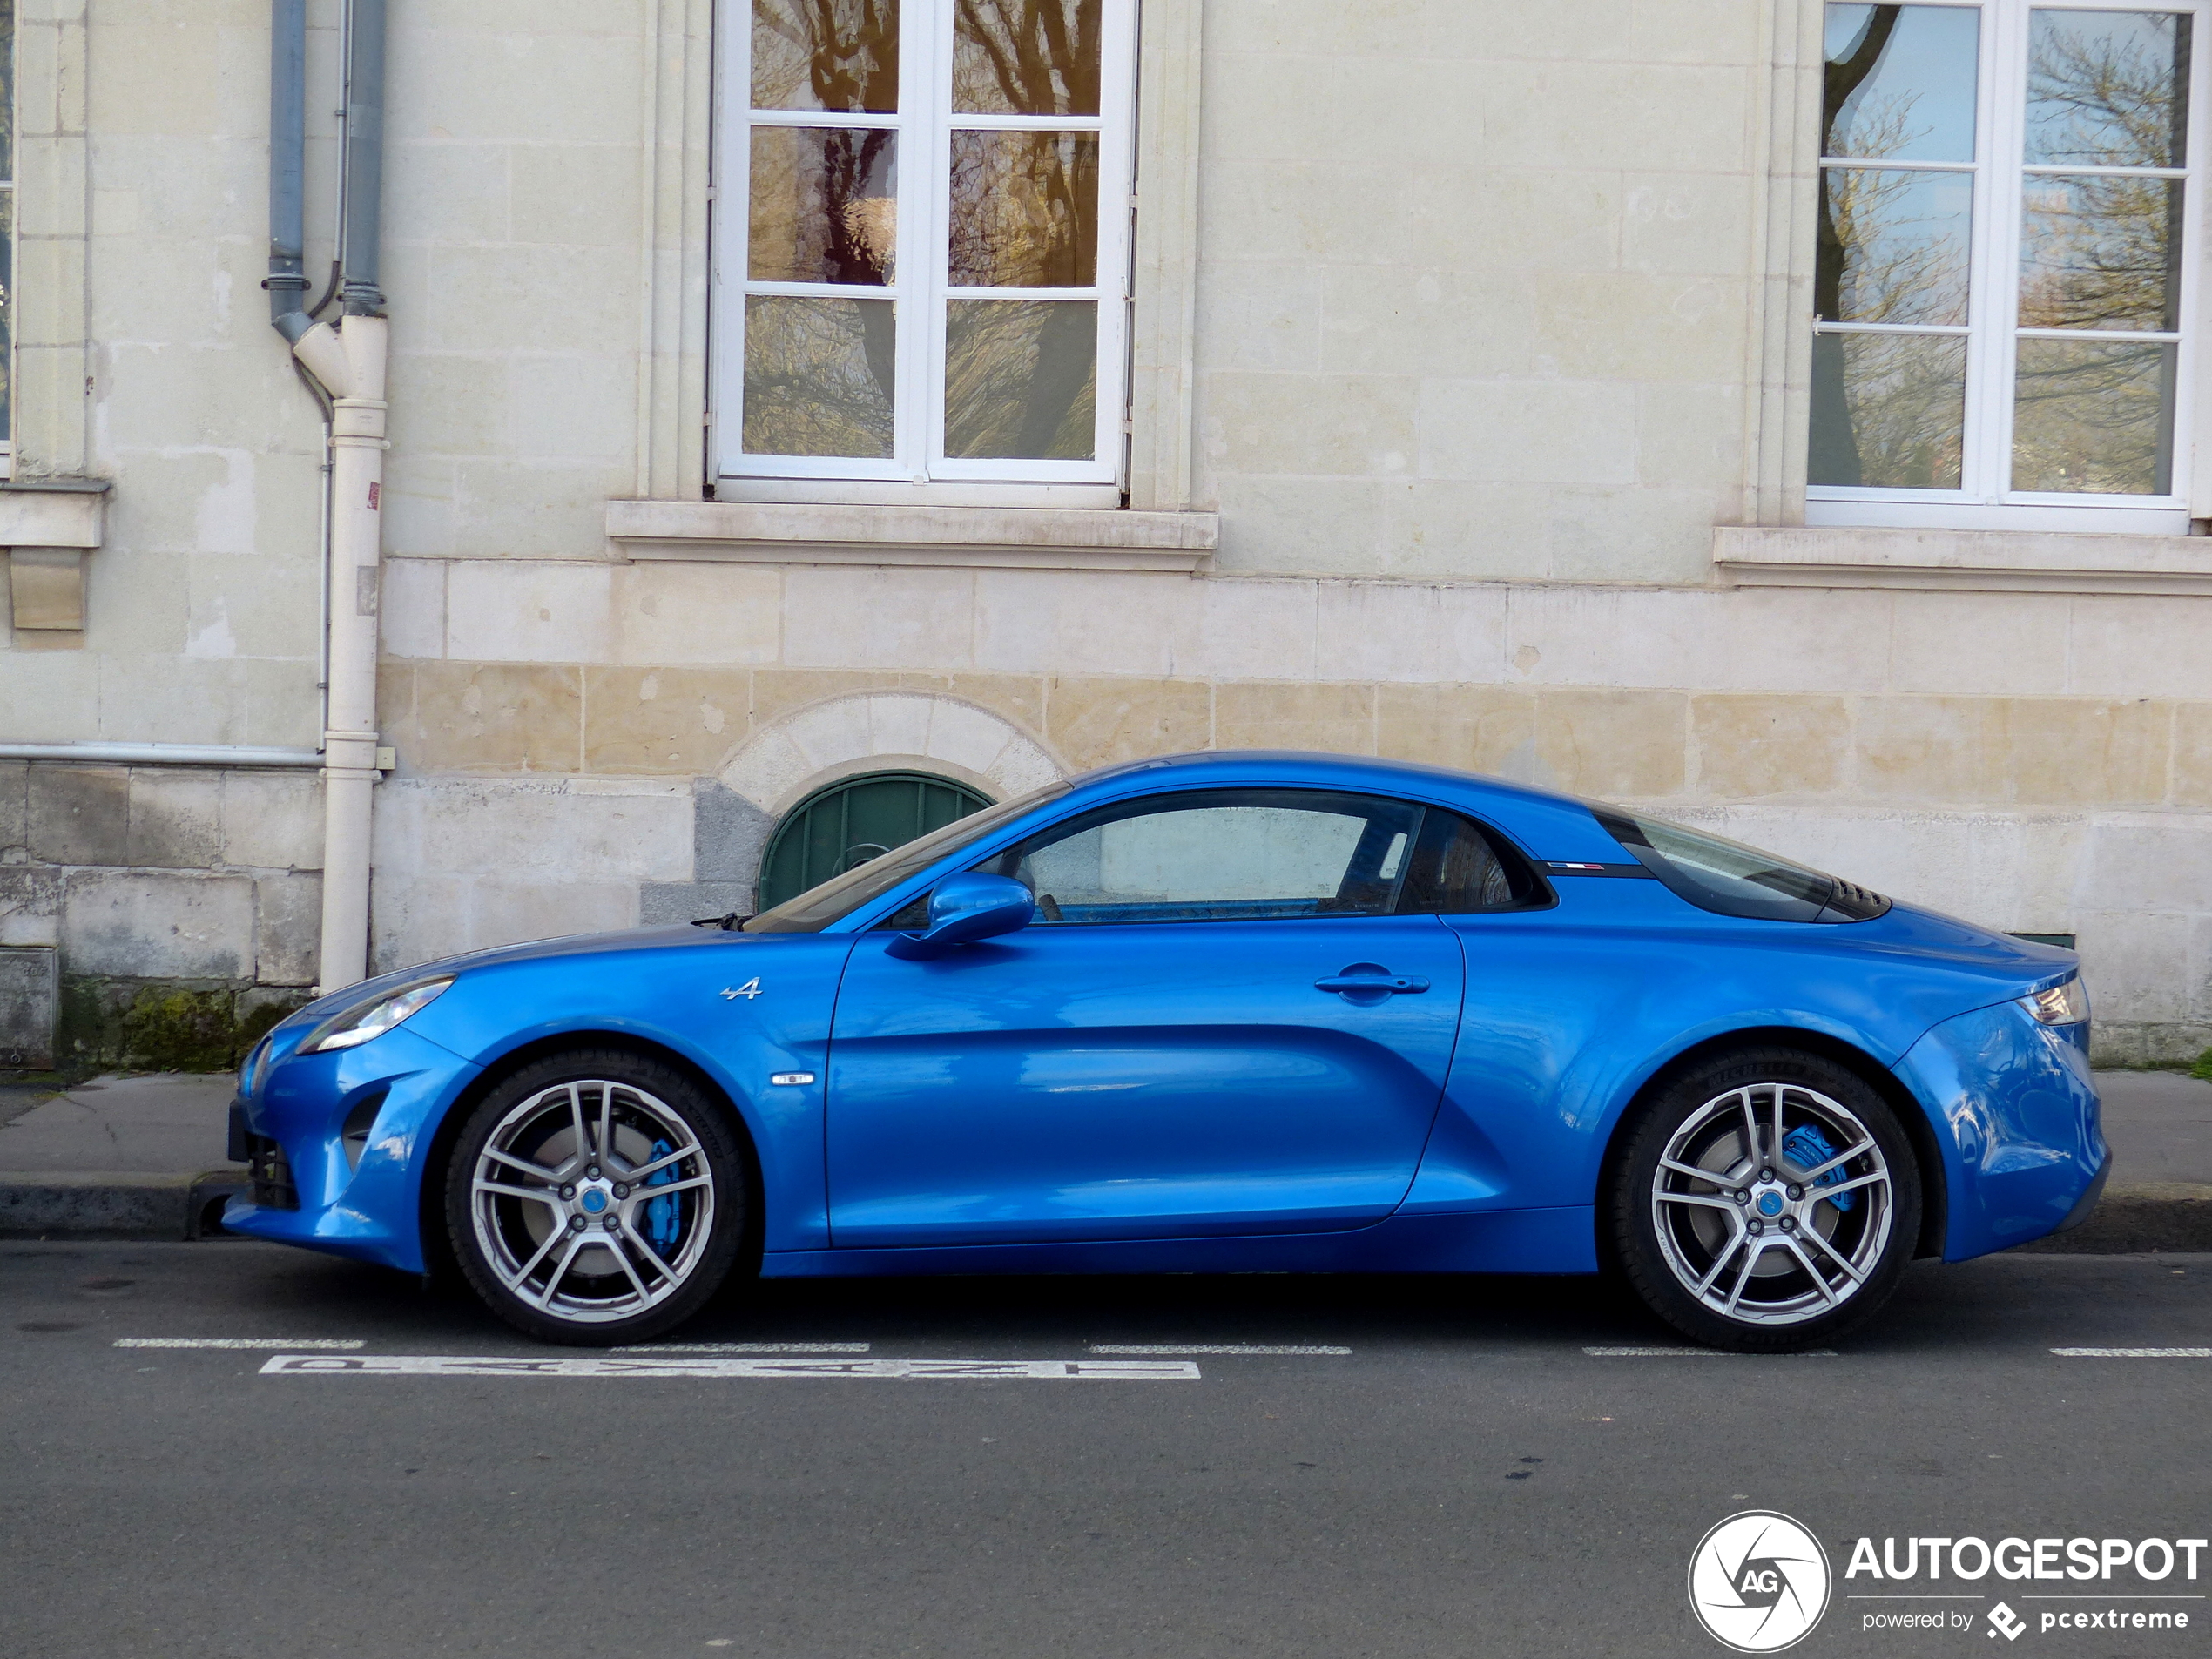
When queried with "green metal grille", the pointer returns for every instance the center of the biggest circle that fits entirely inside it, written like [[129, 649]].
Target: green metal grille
[[851, 822]]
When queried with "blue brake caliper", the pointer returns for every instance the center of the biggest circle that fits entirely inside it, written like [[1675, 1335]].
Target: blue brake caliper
[[1808, 1149], [661, 1213]]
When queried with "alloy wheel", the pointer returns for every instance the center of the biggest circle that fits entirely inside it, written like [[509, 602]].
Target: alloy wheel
[[593, 1201], [1773, 1204]]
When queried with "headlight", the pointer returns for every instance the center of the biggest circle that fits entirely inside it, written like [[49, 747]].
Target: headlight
[[2065, 1004], [366, 1020]]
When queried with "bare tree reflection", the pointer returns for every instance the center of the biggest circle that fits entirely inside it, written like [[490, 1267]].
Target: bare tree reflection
[[2101, 252]]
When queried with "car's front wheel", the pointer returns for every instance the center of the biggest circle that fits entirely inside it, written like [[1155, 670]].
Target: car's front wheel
[[596, 1198], [1767, 1200]]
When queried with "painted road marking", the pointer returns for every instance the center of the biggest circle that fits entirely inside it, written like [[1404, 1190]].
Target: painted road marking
[[2134, 1353], [240, 1342], [431, 1364], [743, 1347], [1164, 1347], [1703, 1353]]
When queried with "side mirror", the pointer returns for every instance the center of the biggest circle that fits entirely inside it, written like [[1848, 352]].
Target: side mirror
[[966, 908]]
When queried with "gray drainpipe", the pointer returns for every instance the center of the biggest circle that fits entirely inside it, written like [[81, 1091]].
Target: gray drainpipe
[[364, 159], [288, 166]]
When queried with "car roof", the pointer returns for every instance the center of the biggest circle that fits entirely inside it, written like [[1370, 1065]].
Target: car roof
[[1546, 823]]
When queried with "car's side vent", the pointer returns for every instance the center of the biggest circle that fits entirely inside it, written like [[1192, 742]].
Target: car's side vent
[[359, 1122], [1851, 902]]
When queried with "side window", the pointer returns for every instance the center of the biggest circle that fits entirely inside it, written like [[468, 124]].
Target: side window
[[1220, 855], [1459, 868]]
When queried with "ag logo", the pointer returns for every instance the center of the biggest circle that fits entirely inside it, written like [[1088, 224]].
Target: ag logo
[[1758, 1581]]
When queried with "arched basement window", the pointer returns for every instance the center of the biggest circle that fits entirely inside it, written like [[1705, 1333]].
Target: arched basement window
[[852, 821]]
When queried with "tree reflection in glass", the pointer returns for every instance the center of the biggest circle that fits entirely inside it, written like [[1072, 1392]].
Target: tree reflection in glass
[[1021, 379], [1893, 249], [2100, 253], [818, 375], [1026, 57], [840, 54]]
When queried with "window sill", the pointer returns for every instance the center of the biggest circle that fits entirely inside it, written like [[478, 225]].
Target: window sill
[[1984, 560], [820, 533]]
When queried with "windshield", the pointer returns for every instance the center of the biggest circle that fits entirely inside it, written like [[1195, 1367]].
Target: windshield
[[1718, 874], [841, 895]]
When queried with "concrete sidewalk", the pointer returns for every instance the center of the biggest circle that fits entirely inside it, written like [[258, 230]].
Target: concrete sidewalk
[[145, 1158], [117, 1157]]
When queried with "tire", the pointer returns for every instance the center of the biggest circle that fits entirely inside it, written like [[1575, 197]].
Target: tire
[[560, 1235], [1741, 1253]]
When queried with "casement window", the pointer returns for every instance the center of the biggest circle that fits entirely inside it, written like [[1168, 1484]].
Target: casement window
[[2005, 284], [921, 245]]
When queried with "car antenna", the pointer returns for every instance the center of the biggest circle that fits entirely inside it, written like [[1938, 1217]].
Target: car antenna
[[728, 924]]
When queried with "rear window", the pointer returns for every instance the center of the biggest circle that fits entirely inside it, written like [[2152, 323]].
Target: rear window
[[1732, 879]]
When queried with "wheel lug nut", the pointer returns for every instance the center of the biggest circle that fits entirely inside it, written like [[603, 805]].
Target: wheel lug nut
[[621, 1191], [576, 1223], [1756, 1228], [1764, 1175], [1789, 1225], [612, 1224], [568, 1192], [1741, 1194], [593, 1173], [1797, 1192]]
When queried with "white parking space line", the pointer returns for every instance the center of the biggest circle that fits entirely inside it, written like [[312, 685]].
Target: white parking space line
[[428, 1365], [2134, 1353], [743, 1347], [1703, 1353], [1223, 1347], [250, 1343]]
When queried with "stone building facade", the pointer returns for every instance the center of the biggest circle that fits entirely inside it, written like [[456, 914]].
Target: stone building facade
[[1465, 391]]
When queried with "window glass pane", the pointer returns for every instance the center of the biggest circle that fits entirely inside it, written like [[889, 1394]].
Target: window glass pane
[[1893, 246], [2102, 252], [2093, 417], [818, 375], [1024, 209], [1249, 854], [840, 54], [1457, 870], [825, 205], [1899, 83], [2107, 89], [1889, 411], [1718, 874], [1026, 57], [1021, 379]]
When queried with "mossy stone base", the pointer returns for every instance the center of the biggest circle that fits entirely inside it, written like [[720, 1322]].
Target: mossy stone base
[[165, 1025]]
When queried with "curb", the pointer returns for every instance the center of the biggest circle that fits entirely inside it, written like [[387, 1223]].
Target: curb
[[2137, 1217], [2134, 1219], [129, 1205]]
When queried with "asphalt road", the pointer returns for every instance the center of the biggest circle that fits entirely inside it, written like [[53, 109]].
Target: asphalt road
[[1467, 1479]]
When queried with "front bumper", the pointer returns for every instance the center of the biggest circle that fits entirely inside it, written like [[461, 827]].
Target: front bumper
[[2017, 1122], [362, 1200]]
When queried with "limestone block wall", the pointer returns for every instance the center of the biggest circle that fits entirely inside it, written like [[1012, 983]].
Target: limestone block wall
[[2035, 762], [184, 903]]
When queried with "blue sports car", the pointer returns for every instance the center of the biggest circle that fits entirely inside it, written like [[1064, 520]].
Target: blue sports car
[[1212, 1012]]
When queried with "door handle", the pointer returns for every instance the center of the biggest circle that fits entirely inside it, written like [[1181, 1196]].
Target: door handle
[[1361, 978]]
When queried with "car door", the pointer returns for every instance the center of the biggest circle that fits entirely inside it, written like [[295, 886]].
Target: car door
[[1218, 1023]]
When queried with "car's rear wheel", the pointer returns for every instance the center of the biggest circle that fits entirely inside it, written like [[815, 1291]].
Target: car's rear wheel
[[597, 1197], [1767, 1200]]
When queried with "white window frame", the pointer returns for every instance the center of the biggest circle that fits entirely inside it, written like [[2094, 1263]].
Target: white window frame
[[1998, 171], [918, 469]]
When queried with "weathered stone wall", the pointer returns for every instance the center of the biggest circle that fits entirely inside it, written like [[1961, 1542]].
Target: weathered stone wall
[[184, 903], [2036, 762]]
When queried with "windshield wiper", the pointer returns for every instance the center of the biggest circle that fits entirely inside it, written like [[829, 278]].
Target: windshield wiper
[[728, 924]]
